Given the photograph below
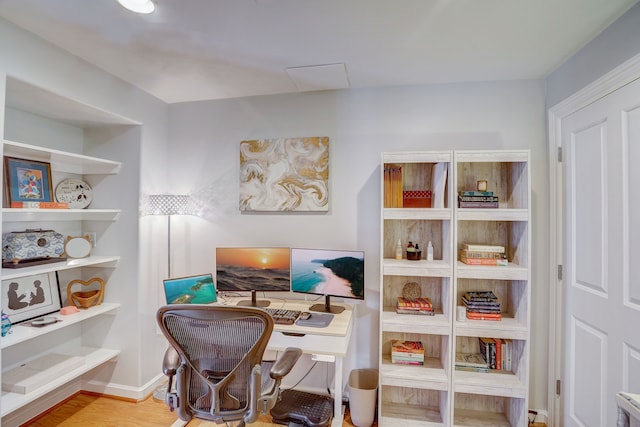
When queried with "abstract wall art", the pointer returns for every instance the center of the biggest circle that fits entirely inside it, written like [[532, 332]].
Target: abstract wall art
[[285, 174]]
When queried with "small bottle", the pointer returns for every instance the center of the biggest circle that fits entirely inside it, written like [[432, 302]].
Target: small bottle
[[6, 324], [429, 251], [399, 250]]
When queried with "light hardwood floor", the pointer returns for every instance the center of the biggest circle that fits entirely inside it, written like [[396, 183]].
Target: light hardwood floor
[[86, 409]]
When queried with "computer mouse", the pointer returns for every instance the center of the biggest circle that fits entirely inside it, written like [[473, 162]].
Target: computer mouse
[[305, 315]]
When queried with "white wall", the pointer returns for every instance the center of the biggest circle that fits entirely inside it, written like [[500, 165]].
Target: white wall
[[204, 161]]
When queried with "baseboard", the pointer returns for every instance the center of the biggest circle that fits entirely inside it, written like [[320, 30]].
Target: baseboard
[[125, 392]]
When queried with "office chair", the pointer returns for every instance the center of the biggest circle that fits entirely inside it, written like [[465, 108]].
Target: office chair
[[215, 360]]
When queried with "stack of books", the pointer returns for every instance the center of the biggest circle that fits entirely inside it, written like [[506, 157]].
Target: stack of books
[[482, 305], [496, 352], [477, 199], [407, 352], [479, 254], [414, 306], [471, 362]]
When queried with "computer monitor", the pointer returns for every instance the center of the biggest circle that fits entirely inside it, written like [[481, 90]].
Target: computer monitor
[[259, 269], [328, 272], [190, 290]]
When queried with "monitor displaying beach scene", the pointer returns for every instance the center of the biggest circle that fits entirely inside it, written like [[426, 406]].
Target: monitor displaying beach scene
[[252, 269], [330, 272], [190, 290]]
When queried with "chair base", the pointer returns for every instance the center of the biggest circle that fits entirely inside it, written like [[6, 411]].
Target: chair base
[[303, 409]]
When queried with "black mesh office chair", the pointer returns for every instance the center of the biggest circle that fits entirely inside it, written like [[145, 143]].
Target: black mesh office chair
[[214, 362]]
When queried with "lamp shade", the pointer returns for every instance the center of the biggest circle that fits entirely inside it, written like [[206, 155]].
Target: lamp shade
[[169, 204]]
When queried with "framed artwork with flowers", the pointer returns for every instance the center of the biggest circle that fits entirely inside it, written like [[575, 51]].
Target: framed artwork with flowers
[[28, 180]]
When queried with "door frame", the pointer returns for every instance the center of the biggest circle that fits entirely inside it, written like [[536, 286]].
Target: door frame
[[610, 82]]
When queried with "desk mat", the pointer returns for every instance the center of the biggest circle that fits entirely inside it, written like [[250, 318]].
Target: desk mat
[[317, 320]]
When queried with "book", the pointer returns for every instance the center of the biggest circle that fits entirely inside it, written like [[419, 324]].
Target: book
[[481, 254], [407, 347], [476, 193], [477, 296], [474, 205], [407, 362], [420, 303], [483, 261], [415, 311], [478, 247], [487, 350], [471, 368], [478, 199], [484, 316], [40, 205], [472, 360], [498, 348], [407, 352]]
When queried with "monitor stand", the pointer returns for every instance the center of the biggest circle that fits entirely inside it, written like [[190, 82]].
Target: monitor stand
[[254, 302], [327, 307]]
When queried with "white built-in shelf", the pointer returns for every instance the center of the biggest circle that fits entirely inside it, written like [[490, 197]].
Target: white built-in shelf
[[28, 214], [502, 272], [90, 261], [508, 327], [62, 161], [468, 214], [492, 383], [20, 333], [430, 376], [404, 267], [416, 213], [469, 417], [417, 323], [396, 414], [93, 357]]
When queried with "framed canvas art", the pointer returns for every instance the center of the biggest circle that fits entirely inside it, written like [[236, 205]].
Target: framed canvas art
[[285, 174], [26, 298]]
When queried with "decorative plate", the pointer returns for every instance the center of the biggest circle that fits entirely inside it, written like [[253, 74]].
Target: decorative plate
[[77, 193]]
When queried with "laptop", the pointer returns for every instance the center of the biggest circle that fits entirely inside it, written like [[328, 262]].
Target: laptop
[[190, 290]]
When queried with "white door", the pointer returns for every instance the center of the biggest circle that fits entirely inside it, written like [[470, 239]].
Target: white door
[[601, 294]]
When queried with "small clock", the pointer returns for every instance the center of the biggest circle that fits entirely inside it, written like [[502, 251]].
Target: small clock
[[77, 193]]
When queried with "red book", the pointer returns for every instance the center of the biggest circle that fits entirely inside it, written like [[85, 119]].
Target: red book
[[484, 316]]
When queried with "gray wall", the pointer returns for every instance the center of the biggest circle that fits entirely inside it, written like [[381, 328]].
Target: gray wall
[[613, 46]]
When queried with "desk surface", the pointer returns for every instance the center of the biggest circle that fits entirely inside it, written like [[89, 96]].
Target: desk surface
[[340, 326]]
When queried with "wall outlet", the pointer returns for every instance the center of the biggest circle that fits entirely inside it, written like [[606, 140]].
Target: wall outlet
[[92, 237]]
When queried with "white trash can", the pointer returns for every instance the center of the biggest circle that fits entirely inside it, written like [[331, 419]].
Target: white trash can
[[363, 385]]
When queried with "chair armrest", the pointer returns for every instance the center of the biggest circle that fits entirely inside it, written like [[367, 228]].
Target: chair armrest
[[170, 362], [285, 363]]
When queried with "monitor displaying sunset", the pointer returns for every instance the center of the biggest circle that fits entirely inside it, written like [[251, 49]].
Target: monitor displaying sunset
[[247, 269]]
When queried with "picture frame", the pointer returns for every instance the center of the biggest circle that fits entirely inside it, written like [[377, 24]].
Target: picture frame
[[28, 180], [26, 298]]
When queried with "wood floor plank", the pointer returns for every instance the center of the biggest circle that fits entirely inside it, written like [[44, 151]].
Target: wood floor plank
[[85, 409]]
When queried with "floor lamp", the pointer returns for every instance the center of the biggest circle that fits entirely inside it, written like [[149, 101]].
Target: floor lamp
[[169, 205]]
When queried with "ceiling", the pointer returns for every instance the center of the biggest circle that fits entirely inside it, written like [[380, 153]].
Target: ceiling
[[190, 50]]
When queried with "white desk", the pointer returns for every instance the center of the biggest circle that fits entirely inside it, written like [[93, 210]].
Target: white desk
[[332, 340]]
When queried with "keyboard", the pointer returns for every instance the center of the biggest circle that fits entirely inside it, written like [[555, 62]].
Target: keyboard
[[283, 316]]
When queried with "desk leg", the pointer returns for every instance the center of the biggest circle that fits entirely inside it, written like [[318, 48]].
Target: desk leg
[[338, 414]]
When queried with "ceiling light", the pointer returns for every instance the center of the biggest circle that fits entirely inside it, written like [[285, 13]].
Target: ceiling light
[[138, 6]]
